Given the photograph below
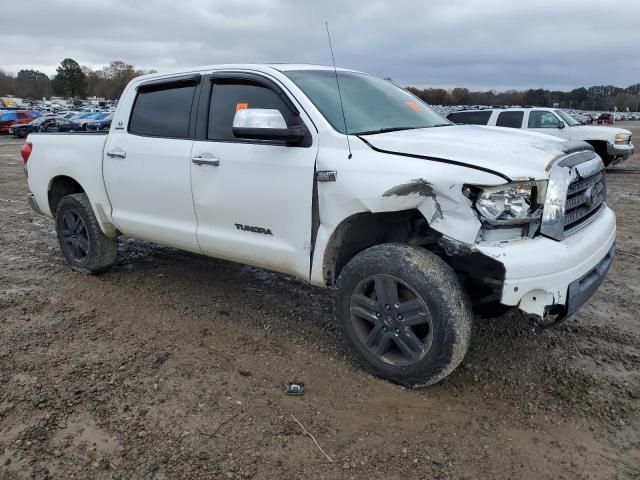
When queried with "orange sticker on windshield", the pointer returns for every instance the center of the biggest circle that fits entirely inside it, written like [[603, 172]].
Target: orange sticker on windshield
[[413, 106], [241, 106]]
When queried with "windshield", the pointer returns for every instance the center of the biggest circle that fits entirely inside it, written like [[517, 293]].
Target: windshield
[[371, 105], [568, 119]]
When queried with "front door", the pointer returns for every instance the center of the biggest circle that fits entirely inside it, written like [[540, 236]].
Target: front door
[[147, 166], [253, 199], [547, 122]]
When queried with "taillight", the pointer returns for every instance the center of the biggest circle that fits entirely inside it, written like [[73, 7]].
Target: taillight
[[25, 151]]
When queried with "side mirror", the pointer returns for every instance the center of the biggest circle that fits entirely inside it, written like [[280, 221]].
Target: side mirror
[[265, 124], [561, 124]]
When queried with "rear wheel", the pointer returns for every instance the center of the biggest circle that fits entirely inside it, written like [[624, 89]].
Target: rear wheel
[[404, 314], [83, 244]]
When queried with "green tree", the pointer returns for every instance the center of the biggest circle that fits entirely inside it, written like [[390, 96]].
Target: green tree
[[32, 84], [7, 84], [537, 98], [70, 80], [577, 97], [633, 89]]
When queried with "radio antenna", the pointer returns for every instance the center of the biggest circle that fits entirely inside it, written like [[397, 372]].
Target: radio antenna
[[335, 71]]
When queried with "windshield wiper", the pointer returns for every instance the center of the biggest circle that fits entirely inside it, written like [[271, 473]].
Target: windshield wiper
[[441, 125], [385, 130]]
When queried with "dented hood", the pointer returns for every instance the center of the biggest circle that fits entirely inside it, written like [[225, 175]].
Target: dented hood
[[507, 152]]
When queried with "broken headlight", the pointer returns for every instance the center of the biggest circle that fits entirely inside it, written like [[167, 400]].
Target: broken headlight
[[510, 204]]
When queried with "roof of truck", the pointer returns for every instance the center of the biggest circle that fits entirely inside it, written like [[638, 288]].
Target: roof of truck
[[263, 67]]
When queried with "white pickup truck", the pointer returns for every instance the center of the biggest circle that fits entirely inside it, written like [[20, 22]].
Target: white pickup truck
[[612, 144], [416, 221]]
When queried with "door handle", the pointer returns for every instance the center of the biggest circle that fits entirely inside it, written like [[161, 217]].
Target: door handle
[[214, 162], [117, 154]]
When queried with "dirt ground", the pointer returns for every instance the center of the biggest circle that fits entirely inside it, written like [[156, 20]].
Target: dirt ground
[[172, 365]]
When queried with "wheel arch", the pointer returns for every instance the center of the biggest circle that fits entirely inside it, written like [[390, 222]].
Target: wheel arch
[[59, 187], [366, 229], [481, 276], [601, 148]]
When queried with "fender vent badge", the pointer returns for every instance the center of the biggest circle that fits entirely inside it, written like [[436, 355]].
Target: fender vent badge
[[327, 175]]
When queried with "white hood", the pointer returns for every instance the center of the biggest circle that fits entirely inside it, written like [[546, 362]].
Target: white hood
[[513, 153], [595, 132]]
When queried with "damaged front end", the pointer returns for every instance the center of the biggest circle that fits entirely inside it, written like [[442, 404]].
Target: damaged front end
[[512, 210], [528, 253]]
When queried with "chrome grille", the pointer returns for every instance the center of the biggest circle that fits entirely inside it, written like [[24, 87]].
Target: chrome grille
[[585, 198]]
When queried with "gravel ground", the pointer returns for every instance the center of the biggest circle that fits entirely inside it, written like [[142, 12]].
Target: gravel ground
[[172, 365]]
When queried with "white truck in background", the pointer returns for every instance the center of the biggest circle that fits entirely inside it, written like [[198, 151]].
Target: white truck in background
[[612, 144], [416, 221]]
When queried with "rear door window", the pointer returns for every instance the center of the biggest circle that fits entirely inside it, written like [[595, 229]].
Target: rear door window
[[162, 112], [510, 119], [481, 117]]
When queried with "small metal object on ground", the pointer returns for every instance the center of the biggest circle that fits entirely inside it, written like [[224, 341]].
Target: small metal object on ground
[[295, 388]]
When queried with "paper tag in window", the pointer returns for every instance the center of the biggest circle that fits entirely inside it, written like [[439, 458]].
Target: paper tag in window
[[413, 106], [241, 106]]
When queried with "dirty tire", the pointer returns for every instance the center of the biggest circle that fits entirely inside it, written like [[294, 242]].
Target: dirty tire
[[425, 276], [98, 251]]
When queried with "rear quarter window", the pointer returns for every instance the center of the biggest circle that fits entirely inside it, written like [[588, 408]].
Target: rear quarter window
[[481, 117], [510, 119]]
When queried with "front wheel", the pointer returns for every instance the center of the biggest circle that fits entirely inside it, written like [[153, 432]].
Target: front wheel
[[84, 246], [404, 314]]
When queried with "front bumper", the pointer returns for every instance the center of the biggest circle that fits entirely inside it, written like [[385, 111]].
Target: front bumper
[[620, 151], [543, 274]]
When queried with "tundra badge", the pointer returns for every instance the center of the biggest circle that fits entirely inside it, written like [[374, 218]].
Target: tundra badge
[[251, 228]]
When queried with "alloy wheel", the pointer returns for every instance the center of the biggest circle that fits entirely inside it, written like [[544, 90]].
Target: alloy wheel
[[75, 237], [391, 320]]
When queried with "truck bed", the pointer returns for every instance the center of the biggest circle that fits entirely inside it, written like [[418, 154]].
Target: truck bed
[[69, 157]]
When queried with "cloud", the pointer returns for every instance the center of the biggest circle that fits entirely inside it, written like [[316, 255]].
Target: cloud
[[476, 43]]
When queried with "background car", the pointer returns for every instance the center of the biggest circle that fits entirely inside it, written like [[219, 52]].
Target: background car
[[606, 118], [16, 117], [58, 125], [21, 130], [104, 124], [86, 118], [67, 115]]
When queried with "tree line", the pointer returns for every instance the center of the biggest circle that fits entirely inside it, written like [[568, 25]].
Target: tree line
[[598, 97], [71, 80]]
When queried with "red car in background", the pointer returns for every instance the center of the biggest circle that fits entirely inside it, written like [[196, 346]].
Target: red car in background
[[16, 117], [606, 119]]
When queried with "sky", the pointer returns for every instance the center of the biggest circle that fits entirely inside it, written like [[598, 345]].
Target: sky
[[479, 44]]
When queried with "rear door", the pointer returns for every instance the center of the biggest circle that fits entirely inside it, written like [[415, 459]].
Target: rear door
[[253, 198], [510, 119], [148, 160]]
